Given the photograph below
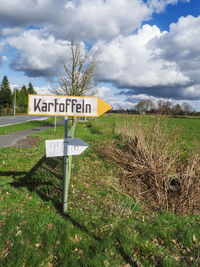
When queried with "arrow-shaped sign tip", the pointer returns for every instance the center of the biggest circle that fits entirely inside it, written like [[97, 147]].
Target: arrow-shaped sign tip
[[102, 106]]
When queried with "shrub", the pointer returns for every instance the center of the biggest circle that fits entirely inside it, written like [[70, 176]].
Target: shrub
[[153, 169]]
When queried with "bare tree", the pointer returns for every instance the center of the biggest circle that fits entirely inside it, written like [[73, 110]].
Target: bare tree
[[187, 108], [177, 110], [164, 107], [144, 105], [139, 106], [79, 72]]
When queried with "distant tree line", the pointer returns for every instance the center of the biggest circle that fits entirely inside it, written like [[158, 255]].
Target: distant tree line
[[19, 97], [164, 107], [159, 107]]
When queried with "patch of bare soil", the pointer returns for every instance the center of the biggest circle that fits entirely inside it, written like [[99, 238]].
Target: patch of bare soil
[[27, 142]]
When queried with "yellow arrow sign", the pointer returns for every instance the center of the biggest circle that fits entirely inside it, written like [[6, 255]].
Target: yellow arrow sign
[[55, 105], [102, 107]]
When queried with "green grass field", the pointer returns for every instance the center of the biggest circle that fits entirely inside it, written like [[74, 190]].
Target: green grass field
[[103, 226], [24, 126]]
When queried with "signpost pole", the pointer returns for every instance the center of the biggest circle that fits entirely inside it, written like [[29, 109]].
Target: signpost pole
[[55, 124], [65, 172], [15, 102]]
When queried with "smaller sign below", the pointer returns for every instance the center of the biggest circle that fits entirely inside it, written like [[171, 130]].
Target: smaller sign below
[[65, 147]]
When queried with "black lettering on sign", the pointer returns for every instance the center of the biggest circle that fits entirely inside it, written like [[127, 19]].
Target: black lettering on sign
[[44, 107], [71, 106], [55, 105], [36, 105], [61, 107], [78, 108], [49, 106], [83, 106], [74, 101], [88, 108], [67, 104]]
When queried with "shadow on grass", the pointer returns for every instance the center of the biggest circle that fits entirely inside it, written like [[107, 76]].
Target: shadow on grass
[[45, 179], [12, 173], [41, 123]]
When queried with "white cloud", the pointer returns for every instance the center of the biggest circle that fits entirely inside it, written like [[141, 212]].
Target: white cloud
[[46, 89], [182, 42], [129, 62], [12, 31], [13, 86], [163, 65], [86, 19], [4, 58], [181, 45], [104, 92], [2, 50], [149, 62], [37, 53], [22, 13], [115, 101], [140, 97], [43, 90], [159, 5], [100, 19], [2, 45]]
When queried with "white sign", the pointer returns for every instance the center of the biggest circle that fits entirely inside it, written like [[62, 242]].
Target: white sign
[[54, 105], [65, 147]]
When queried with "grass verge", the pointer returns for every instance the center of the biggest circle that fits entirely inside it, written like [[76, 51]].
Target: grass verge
[[24, 126], [103, 227]]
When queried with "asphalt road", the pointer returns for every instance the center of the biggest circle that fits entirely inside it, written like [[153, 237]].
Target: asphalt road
[[9, 120], [10, 139]]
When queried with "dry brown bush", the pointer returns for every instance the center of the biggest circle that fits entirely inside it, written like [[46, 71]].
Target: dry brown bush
[[153, 171]]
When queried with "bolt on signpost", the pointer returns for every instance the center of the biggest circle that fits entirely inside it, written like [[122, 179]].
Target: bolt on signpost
[[53, 105]]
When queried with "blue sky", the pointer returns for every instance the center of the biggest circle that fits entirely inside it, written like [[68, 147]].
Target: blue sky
[[173, 12], [148, 49]]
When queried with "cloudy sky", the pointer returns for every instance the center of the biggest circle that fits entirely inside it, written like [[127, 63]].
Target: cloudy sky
[[149, 49]]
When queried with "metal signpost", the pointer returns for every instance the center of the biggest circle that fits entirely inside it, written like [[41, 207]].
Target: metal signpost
[[15, 101], [55, 124], [54, 105], [66, 178]]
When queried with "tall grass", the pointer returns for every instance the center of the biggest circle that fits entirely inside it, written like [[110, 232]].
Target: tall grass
[[155, 169]]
